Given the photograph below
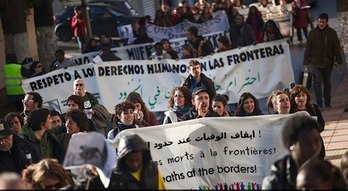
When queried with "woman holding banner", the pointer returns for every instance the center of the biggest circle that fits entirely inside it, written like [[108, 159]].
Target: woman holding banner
[[179, 103], [248, 105], [271, 32], [124, 118], [300, 99], [219, 105], [279, 102]]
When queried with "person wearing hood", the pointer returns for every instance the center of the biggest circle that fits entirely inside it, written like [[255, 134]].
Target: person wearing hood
[[135, 165]]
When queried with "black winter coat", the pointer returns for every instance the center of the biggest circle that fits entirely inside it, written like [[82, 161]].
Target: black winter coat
[[15, 159]]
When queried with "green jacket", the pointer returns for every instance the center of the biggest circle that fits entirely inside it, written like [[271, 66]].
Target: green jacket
[[48, 147]]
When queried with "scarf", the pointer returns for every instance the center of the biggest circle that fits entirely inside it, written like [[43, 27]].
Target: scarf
[[180, 110], [121, 126]]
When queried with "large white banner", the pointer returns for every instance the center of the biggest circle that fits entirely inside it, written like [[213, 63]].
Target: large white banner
[[225, 153], [258, 69], [144, 51], [219, 22], [281, 14]]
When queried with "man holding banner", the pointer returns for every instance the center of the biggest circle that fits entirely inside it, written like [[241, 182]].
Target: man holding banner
[[201, 105], [203, 46]]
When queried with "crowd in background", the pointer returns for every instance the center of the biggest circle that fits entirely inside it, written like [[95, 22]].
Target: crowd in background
[[34, 140]]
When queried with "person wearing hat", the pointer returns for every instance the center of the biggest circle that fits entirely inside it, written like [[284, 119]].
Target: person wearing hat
[[198, 79], [201, 105], [15, 153]]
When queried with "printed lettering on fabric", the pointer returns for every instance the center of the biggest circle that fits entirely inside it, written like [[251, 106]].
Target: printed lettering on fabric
[[207, 152], [258, 69]]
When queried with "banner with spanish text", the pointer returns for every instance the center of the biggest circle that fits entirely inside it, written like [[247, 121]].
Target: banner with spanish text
[[219, 22], [143, 51], [222, 153], [258, 69], [281, 14]]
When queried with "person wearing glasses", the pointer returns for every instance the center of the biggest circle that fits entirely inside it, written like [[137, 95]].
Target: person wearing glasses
[[95, 111], [36, 69], [31, 101], [179, 103]]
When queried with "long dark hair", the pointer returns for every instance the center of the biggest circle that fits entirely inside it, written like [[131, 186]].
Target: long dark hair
[[277, 34], [295, 91], [135, 97], [37, 117], [240, 108]]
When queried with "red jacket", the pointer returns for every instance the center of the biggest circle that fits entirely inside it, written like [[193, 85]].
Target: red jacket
[[79, 27], [300, 14]]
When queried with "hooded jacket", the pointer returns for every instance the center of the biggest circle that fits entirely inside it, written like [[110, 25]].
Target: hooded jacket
[[49, 145], [149, 173]]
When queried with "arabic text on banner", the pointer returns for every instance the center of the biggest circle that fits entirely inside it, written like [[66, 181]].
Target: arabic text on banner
[[258, 69], [229, 152]]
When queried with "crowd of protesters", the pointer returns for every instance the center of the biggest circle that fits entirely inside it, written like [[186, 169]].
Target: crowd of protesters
[[33, 147]]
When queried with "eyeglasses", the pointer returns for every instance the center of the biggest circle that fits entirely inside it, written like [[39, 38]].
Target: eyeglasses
[[179, 96], [27, 100], [38, 66], [79, 84]]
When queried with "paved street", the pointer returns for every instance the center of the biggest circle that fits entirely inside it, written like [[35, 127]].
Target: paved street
[[335, 134]]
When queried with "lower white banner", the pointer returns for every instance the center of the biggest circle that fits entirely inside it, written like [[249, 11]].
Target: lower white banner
[[226, 153]]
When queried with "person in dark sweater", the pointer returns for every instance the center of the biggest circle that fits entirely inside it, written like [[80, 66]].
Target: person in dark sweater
[[15, 152], [201, 105]]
